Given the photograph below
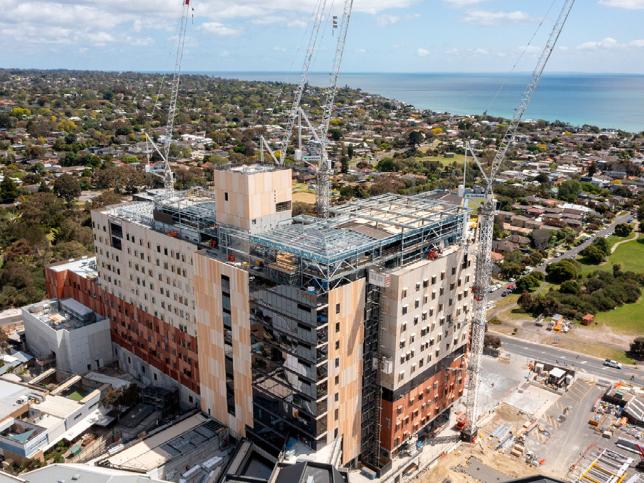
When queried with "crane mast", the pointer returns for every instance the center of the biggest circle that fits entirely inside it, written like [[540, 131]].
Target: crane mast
[[164, 151], [325, 167], [294, 112], [486, 228]]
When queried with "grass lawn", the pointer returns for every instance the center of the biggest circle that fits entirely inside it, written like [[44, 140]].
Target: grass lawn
[[629, 255], [457, 158], [75, 396], [545, 287], [627, 318], [596, 349]]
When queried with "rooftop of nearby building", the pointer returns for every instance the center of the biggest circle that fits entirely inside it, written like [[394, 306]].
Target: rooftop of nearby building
[[85, 267], [12, 396], [255, 168], [67, 314], [176, 441], [83, 474]]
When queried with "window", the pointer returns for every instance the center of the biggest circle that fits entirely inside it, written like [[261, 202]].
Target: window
[[283, 206], [226, 196], [337, 308], [404, 310]]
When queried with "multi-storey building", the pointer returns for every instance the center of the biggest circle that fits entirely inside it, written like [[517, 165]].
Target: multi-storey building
[[301, 328]]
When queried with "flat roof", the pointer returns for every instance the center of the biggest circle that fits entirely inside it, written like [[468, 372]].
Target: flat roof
[[10, 393], [85, 267], [256, 168], [165, 445], [84, 473], [58, 406], [359, 225], [67, 314]]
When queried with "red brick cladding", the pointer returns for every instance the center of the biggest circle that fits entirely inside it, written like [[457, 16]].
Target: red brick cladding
[[158, 343], [414, 409]]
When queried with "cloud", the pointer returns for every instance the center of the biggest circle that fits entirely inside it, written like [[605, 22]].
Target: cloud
[[487, 18], [385, 20], [102, 22], [219, 29], [422, 52], [609, 43], [606, 43], [627, 4], [462, 3], [467, 52]]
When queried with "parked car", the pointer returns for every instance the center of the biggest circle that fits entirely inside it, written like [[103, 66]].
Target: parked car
[[613, 364]]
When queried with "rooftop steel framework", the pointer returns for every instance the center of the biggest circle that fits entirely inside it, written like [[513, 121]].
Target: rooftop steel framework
[[388, 230]]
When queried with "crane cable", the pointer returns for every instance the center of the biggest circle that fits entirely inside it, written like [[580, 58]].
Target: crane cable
[[519, 59]]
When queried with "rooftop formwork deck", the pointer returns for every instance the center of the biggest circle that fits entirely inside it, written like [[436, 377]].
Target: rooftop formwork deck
[[387, 229]]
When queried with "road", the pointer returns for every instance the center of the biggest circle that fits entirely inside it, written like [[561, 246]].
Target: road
[[550, 354], [572, 253]]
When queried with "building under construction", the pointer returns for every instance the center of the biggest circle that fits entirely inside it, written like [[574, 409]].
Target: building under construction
[[346, 333]]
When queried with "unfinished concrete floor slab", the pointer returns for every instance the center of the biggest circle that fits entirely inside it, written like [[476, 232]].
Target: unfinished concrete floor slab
[[531, 399]]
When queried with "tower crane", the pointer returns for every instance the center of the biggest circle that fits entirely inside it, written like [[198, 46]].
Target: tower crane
[[325, 167], [294, 113], [163, 151], [486, 228], [319, 133]]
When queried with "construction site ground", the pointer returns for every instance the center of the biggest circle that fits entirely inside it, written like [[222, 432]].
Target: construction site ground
[[560, 439]]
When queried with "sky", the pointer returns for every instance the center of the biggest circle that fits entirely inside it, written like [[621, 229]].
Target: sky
[[602, 36]]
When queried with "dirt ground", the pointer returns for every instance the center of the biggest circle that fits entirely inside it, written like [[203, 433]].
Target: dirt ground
[[449, 467], [452, 467], [304, 197], [583, 339]]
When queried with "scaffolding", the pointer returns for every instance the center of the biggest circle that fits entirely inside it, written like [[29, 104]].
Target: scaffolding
[[388, 230]]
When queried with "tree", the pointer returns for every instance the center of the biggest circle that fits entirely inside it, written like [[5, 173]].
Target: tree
[[493, 341], [530, 282], [386, 165], [593, 255], [570, 287], [8, 190], [569, 190], [415, 138], [592, 169], [623, 230], [602, 244], [563, 270], [67, 187], [637, 348]]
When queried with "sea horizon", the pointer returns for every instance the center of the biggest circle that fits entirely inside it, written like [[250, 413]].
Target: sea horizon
[[605, 100]]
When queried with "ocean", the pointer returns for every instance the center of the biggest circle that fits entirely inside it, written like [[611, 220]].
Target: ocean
[[611, 101]]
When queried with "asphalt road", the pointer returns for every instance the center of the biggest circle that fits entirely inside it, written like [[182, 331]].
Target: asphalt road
[[582, 362], [572, 253]]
